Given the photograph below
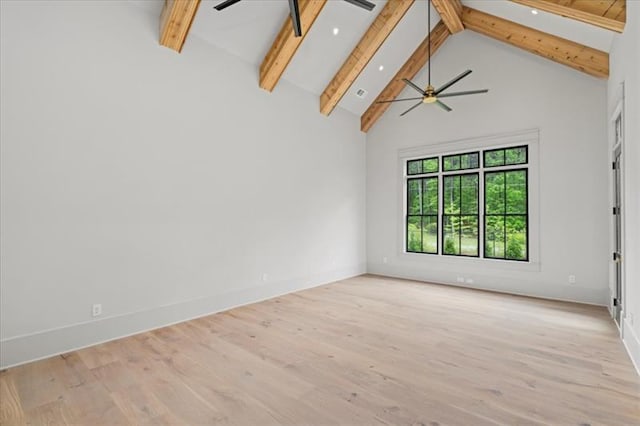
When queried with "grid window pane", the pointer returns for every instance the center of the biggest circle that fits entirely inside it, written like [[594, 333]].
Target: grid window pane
[[430, 196], [515, 155], [451, 163], [469, 161], [430, 165], [516, 191], [506, 222], [422, 215], [414, 195], [460, 219], [451, 234], [469, 194], [494, 158], [469, 235], [451, 201], [430, 234], [414, 233], [516, 227], [494, 237], [494, 193], [423, 166], [414, 167]]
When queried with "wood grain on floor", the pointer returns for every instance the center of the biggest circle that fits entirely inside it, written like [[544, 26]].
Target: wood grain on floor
[[364, 351]]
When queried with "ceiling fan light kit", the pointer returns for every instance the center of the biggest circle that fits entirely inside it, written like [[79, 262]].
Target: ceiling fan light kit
[[294, 10], [430, 95]]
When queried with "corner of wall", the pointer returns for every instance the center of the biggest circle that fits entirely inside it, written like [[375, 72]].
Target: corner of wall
[[632, 344]]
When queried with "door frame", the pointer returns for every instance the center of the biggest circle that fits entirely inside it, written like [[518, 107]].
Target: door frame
[[617, 145]]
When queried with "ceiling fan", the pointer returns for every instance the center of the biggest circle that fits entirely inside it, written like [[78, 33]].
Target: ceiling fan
[[430, 95], [295, 11]]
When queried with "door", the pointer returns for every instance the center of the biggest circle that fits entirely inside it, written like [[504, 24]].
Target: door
[[617, 225]]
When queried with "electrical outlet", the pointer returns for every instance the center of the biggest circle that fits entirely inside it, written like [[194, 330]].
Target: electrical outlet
[[572, 279], [265, 277], [96, 310], [384, 260], [460, 279], [469, 280]]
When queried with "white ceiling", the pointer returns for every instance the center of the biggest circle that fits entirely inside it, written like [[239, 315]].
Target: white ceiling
[[248, 28]]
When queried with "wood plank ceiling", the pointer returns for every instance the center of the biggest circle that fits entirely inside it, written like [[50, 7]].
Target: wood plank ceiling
[[177, 16], [582, 58], [607, 14]]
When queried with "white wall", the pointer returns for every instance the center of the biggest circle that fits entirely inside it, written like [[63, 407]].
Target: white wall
[[526, 92], [160, 185], [625, 68]]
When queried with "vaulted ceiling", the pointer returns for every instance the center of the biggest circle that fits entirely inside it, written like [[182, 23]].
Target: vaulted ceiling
[[374, 50]]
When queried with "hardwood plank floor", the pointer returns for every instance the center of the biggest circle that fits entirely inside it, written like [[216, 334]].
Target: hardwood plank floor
[[364, 351]]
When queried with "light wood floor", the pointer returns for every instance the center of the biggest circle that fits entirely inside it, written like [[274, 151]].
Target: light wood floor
[[364, 351]]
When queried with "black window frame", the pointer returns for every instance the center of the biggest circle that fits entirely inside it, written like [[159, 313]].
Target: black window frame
[[444, 215], [422, 160], [481, 171], [485, 151], [421, 179], [505, 214], [460, 154]]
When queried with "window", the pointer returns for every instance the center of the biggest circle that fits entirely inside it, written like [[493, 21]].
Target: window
[[460, 162], [505, 156], [426, 165], [422, 217], [460, 215], [458, 207], [505, 227]]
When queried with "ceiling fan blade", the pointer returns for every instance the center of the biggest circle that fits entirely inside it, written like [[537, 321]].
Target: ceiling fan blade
[[443, 106], [225, 4], [454, 81], [415, 86], [412, 108], [363, 4], [398, 100], [469, 92], [295, 17]]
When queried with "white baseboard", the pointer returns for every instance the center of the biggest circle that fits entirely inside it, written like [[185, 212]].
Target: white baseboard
[[631, 343], [566, 293], [32, 347]]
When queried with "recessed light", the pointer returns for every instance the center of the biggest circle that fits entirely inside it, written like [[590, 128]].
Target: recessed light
[[533, 11], [336, 30], [381, 67]]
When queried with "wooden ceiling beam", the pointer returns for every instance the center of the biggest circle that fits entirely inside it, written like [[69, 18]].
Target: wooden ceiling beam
[[450, 11], [571, 11], [377, 33], [175, 22], [577, 56], [286, 44], [415, 63]]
